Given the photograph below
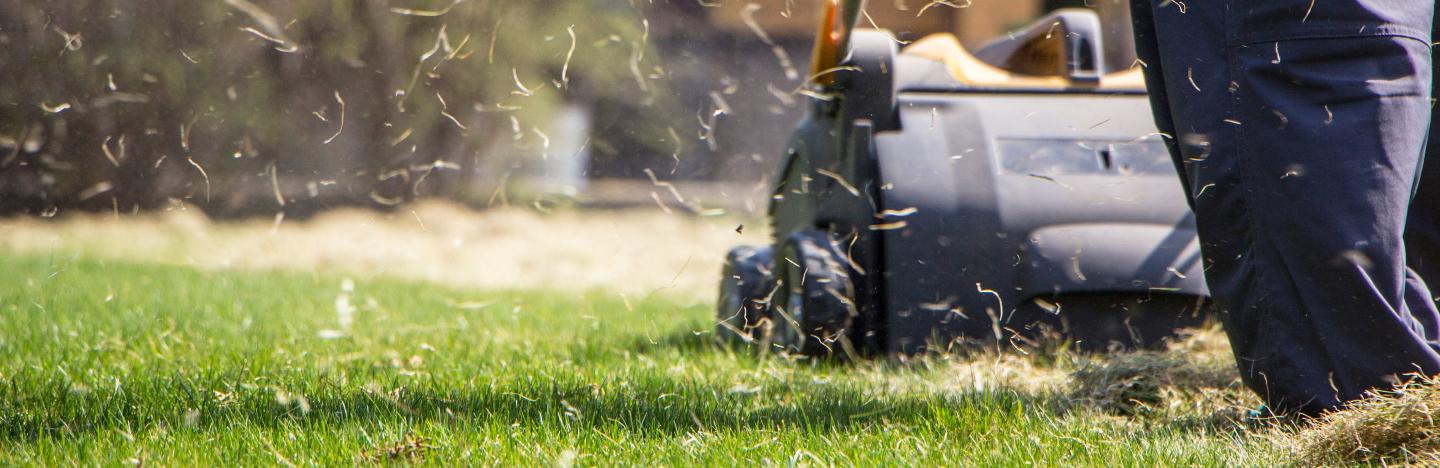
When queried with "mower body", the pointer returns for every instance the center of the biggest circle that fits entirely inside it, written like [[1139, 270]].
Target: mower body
[[934, 197]]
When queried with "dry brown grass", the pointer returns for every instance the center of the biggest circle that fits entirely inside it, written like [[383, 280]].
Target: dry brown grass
[[1400, 426], [635, 252], [412, 449], [1196, 375]]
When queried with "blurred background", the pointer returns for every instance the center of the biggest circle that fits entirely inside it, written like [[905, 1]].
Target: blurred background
[[278, 108]]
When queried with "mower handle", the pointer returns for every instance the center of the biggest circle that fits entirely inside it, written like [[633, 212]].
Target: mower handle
[[837, 25]]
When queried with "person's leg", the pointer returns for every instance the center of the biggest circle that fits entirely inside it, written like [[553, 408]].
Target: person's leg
[[1422, 233], [1300, 129]]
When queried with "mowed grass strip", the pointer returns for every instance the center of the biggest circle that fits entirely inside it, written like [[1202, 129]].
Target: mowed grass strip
[[107, 362]]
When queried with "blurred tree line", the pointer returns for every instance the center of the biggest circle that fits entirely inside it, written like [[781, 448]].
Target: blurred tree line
[[265, 106]]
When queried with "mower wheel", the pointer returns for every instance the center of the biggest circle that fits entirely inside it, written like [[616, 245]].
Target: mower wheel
[[814, 310], [746, 284]]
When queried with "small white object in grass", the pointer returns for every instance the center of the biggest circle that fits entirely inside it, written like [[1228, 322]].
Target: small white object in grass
[[742, 389], [568, 457], [331, 334], [344, 310]]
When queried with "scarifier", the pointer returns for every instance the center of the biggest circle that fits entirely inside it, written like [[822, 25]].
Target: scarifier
[[935, 197]]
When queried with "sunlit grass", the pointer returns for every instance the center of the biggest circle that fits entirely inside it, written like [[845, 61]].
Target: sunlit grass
[[108, 362]]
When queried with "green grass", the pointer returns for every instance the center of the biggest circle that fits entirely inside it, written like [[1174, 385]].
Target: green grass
[[105, 362]]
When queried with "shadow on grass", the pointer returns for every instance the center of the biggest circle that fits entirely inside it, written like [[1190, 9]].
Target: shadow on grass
[[683, 341], [644, 404], [689, 342], [1045, 347], [1132, 396], [36, 405]]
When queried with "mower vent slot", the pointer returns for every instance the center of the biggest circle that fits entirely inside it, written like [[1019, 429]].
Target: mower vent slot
[[1052, 157]]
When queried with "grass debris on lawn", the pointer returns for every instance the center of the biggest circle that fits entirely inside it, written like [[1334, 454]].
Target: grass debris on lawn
[[1392, 426]]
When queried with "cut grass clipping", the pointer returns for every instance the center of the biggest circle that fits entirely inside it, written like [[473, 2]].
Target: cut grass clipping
[[1397, 425]]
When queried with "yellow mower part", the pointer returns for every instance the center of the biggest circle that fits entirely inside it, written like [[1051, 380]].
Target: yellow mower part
[[837, 21], [971, 71]]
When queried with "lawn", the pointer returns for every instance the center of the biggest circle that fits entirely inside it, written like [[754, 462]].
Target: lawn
[[113, 361]]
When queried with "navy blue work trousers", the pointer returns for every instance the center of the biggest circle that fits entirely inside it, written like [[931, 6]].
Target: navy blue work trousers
[[1299, 128]]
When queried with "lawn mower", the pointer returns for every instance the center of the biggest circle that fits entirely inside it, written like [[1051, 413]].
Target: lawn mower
[[934, 197]]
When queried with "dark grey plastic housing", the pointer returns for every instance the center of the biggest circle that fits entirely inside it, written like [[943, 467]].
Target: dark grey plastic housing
[[985, 215]]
